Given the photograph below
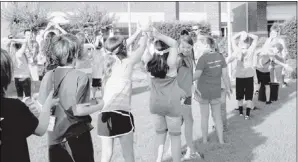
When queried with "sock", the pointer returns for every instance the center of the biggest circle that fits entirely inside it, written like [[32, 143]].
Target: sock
[[248, 111], [240, 109]]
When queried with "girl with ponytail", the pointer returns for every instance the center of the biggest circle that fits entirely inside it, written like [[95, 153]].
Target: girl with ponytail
[[166, 95], [116, 119], [186, 63]]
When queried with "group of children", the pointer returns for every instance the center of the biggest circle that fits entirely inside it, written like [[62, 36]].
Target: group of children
[[177, 74], [266, 65]]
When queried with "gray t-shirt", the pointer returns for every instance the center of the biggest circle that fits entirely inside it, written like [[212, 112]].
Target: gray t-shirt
[[74, 89], [209, 84]]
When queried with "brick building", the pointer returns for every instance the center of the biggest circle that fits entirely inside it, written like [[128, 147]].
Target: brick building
[[256, 17]]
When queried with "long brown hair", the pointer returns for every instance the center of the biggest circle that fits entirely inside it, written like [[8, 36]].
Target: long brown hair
[[187, 39], [158, 66]]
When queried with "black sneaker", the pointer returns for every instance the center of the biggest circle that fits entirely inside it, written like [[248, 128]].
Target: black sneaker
[[268, 102], [247, 112], [240, 111]]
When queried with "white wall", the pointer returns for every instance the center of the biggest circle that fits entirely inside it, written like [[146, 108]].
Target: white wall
[[123, 17], [281, 11]]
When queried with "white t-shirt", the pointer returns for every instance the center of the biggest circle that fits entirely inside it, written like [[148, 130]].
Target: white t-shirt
[[244, 68], [119, 81], [21, 69], [97, 63]]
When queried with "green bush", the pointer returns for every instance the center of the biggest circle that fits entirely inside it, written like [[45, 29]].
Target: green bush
[[173, 29], [289, 31]]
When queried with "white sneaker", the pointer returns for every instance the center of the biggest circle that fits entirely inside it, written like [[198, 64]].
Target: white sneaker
[[192, 156]]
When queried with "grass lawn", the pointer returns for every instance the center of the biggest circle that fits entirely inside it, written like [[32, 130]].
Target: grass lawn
[[270, 135]]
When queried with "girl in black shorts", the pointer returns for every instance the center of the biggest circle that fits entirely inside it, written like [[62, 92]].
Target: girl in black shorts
[[116, 120]]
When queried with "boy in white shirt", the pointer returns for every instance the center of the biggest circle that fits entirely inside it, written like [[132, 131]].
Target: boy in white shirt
[[97, 66]]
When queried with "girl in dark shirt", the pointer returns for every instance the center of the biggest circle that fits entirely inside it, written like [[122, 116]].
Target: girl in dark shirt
[[17, 122]]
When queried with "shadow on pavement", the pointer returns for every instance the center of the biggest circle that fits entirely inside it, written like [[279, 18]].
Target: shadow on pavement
[[241, 138]]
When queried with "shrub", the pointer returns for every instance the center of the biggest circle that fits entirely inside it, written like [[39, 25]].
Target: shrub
[[173, 29], [289, 31]]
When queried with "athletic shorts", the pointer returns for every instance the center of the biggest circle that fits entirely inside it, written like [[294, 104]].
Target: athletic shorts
[[244, 88], [115, 124], [166, 123], [23, 85], [209, 101], [96, 82], [263, 77]]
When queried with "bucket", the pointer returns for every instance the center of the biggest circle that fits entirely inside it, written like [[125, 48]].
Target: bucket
[[273, 92], [274, 88]]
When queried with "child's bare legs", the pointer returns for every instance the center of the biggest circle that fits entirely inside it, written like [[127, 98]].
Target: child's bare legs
[[204, 107], [126, 142], [216, 113], [223, 108], [160, 143], [176, 147], [106, 149], [161, 134], [174, 126], [188, 129]]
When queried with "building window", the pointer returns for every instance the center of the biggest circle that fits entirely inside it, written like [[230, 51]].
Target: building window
[[271, 22], [224, 31]]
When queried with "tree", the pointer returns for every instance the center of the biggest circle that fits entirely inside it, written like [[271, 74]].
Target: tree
[[91, 19], [24, 15]]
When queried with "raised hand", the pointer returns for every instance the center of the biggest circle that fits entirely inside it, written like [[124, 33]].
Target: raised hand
[[56, 25], [50, 24], [154, 32]]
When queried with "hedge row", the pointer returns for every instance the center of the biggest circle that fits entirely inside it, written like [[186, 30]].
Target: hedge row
[[289, 30], [173, 29]]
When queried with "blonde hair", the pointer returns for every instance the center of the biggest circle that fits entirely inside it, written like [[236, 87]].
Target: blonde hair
[[65, 49]]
